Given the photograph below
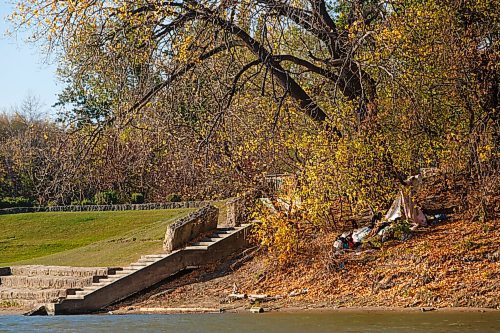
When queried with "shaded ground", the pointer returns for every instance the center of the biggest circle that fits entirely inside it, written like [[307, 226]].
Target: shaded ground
[[113, 238]]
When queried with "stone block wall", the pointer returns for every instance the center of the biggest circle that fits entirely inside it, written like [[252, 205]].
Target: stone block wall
[[238, 208], [190, 227], [101, 208]]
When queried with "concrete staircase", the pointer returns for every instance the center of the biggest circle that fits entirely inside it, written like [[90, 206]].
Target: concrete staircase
[[149, 270], [32, 284]]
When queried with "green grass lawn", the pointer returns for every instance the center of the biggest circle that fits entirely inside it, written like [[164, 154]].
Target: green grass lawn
[[83, 238]]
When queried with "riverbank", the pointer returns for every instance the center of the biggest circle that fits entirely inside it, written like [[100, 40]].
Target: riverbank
[[454, 266]]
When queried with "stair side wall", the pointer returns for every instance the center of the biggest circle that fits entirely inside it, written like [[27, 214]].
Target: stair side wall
[[178, 234]]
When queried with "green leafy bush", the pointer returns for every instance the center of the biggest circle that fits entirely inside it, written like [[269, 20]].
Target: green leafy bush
[[106, 198], [10, 202], [402, 229], [84, 202], [137, 198], [87, 202], [174, 197]]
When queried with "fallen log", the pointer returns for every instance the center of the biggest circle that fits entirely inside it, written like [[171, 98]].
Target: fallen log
[[234, 297], [263, 298]]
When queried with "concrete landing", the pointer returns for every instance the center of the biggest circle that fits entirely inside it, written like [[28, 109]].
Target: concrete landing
[[150, 270]]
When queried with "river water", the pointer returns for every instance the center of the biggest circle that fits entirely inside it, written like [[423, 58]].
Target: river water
[[335, 322]]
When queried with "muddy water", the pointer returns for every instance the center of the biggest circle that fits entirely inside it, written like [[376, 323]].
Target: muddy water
[[432, 322]]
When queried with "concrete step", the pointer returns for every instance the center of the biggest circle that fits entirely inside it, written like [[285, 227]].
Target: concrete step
[[92, 287], [110, 279], [226, 229], [75, 297], [223, 233], [127, 272], [155, 256], [139, 265], [148, 260], [212, 238], [45, 282], [196, 247], [202, 244], [37, 270]]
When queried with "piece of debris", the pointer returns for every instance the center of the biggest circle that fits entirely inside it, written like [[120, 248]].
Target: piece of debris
[[234, 297], [404, 207], [359, 234], [256, 309], [437, 218], [298, 292], [428, 309], [39, 310], [263, 298]]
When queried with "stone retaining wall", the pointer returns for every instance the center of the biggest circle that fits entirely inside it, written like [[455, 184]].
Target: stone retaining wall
[[41, 270], [238, 208], [101, 208], [190, 227]]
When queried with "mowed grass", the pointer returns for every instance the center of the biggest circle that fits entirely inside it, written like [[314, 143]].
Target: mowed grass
[[83, 238]]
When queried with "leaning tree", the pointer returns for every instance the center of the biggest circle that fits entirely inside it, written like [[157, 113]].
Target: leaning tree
[[134, 49]]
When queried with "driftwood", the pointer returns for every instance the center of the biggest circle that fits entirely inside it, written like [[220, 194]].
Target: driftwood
[[298, 292], [233, 297], [428, 309], [263, 298]]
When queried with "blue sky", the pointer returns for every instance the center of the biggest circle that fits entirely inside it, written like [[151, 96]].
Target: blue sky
[[24, 70]]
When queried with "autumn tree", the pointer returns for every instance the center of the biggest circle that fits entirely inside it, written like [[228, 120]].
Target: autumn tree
[[142, 46], [351, 96]]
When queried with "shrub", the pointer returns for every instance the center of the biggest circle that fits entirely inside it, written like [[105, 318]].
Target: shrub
[[402, 229], [87, 202], [174, 197], [137, 198], [106, 198], [10, 202]]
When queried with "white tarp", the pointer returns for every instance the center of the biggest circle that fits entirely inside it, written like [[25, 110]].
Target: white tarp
[[404, 207]]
